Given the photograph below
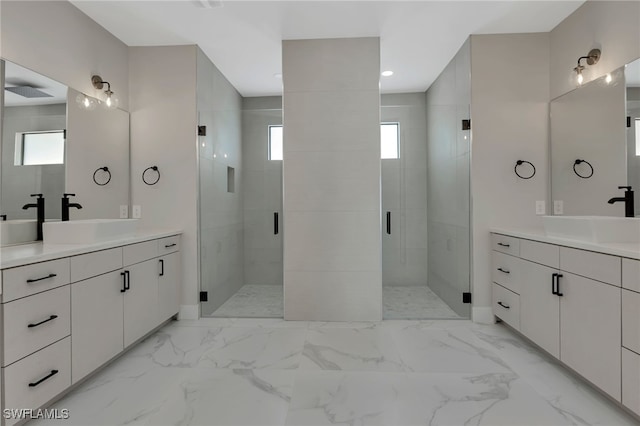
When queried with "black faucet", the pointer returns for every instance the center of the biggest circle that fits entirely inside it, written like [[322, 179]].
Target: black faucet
[[627, 199], [66, 206], [3, 217], [40, 206]]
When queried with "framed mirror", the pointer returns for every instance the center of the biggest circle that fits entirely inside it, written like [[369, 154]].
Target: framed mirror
[[589, 148], [56, 140]]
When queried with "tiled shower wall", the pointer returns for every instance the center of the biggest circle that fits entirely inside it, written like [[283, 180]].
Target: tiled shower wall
[[221, 211], [404, 193], [262, 192], [448, 153]]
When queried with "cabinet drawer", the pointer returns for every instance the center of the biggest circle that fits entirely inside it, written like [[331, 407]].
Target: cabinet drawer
[[36, 379], [631, 274], [506, 271], [136, 253], [504, 244], [31, 279], [31, 323], [631, 320], [597, 266], [545, 254], [631, 380], [94, 264], [169, 245], [506, 306]]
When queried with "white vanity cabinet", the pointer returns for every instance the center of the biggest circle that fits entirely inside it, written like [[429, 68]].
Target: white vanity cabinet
[[571, 304], [62, 319], [631, 334]]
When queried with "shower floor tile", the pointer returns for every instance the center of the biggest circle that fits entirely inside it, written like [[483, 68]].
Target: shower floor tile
[[414, 302], [254, 301]]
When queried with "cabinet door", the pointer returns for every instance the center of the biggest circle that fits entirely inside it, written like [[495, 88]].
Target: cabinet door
[[96, 322], [590, 335], [539, 307], [168, 286], [141, 300]]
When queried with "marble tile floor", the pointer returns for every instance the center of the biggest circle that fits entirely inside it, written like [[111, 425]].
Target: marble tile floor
[[228, 371], [398, 302]]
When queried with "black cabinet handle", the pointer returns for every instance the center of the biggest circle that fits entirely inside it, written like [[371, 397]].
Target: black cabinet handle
[[170, 245], [275, 223], [504, 270], [124, 282], [504, 245], [162, 267], [47, 377], [389, 223], [33, 280], [558, 276], [504, 306], [127, 285], [51, 318], [553, 283]]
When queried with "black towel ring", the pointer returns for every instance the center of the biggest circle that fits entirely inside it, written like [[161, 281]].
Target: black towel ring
[[104, 169], [519, 163], [155, 169], [580, 162]]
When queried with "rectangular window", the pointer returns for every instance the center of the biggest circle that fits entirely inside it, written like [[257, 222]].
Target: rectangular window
[[275, 143], [389, 140], [638, 137], [39, 148]]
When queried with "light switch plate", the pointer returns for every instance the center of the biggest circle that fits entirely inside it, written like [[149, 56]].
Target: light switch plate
[[540, 208], [558, 207], [124, 212], [137, 212]]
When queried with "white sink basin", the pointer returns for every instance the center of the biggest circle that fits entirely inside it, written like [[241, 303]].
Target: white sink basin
[[88, 231], [18, 231], [594, 229]]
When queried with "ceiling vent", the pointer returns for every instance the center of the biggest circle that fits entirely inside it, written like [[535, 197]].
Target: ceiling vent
[[28, 92]]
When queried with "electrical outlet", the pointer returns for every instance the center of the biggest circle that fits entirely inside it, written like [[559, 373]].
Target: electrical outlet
[[137, 212], [558, 207], [540, 208], [124, 212]]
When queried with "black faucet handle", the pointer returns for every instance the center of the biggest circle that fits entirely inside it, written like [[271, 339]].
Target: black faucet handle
[[36, 195], [628, 188], [65, 195]]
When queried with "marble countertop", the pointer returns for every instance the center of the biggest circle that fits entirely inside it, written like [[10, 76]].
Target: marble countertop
[[630, 250], [24, 254]]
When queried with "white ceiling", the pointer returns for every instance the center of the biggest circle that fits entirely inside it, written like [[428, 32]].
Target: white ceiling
[[243, 38]]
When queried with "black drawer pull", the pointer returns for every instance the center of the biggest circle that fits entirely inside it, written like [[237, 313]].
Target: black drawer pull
[[389, 223], [127, 284], [33, 280], [124, 282], [51, 318], [48, 376], [503, 305], [558, 276], [276, 230], [504, 245], [170, 245], [504, 270], [162, 267]]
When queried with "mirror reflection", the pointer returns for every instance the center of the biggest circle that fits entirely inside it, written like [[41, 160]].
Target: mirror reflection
[[589, 149], [56, 141], [632, 79]]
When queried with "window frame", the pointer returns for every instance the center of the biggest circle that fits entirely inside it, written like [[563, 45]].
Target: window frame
[[391, 123], [271, 126], [21, 142]]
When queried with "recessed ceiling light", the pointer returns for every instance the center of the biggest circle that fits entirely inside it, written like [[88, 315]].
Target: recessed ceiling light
[[386, 73]]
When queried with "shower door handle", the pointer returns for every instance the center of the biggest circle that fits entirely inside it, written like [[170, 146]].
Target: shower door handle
[[275, 223], [389, 223]]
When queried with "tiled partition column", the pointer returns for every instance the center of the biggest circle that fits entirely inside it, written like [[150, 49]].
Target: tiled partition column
[[331, 175]]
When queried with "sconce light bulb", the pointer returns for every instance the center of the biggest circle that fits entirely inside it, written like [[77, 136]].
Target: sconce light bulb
[[608, 78], [580, 78], [111, 101]]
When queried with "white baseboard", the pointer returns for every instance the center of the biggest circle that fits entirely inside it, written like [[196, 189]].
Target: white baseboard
[[189, 312], [483, 315]]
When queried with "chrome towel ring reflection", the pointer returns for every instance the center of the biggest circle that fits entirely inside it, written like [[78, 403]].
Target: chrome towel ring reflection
[[104, 169], [577, 162], [155, 169], [521, 162]]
